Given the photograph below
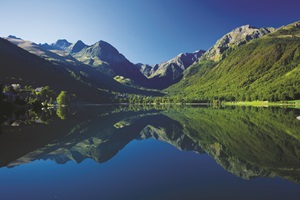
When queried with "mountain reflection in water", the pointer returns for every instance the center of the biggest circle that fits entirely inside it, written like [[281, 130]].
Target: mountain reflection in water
[[246, 141]]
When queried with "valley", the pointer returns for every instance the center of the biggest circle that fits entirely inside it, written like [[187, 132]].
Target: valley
[[246, 64]]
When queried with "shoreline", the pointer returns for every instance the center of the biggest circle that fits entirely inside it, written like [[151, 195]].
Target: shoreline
[[293, 104]]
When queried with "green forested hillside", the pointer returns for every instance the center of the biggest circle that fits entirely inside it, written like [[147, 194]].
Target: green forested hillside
[[267, 68]]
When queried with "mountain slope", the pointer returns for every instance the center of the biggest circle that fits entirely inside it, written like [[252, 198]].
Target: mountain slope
[[106, 59], [76, 47], [235, 38], [41, 51], [167, 73], [177, 64], [266, 68], [20, 66], [144, 69], [75, 68]]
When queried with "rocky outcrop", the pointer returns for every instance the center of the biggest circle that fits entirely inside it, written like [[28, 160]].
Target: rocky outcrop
[[237, 37], [144, 69], [174, 67], [76, 47], [167, 73], [61, 44]]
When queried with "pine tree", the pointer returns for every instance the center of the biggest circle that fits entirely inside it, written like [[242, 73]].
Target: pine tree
[[62, 98]]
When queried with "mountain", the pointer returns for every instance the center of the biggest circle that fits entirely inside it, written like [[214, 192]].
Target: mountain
[[110, 63], [144, 69], [41, 51], [235, 38], [170, 72], [58, 57], [20, 66], [265, 68], [61, 44], [13, 37], [106, 59], [76, 47], [176, 65], [75, 68], [167, 73], [247, 63]]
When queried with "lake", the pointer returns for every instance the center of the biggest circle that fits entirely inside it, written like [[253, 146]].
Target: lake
[[136, 152]]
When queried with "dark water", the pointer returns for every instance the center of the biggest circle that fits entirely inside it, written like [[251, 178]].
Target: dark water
[[150, 153]]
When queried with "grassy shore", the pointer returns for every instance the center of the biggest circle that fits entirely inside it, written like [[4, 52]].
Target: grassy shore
[[293, 103]]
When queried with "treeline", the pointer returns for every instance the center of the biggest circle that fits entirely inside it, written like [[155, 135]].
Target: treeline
[[212, 101], [280, 94], [139, 99], [27, 96]]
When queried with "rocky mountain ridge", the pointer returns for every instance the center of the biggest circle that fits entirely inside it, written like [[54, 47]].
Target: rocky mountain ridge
[[171, 71], [235, 38], [108, 60], [61, 44]]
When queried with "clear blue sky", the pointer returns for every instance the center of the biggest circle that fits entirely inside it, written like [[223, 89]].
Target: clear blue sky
[[147, 31]]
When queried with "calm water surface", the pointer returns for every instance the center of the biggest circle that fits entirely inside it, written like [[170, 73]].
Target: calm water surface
[[148, 153]]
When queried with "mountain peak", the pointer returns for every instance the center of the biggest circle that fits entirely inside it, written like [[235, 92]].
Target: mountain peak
[[61, 44], [248, 26], [14, 37], [106, 47], [171, 70], [236, 37], [245, 29], [62, 40], [79, 42], [103, 42], [76, 47], [106, 52]]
